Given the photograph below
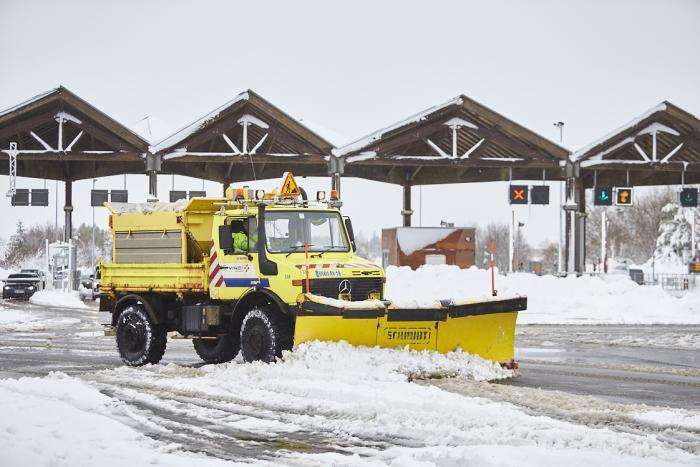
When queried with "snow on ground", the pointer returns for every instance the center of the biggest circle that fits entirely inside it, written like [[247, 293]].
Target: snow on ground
[[670, 417], [61, 421], [57, 298], [360, 400], [23, 321], [571, 300]]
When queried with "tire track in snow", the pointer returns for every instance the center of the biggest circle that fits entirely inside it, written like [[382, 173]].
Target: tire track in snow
[[203, 423]]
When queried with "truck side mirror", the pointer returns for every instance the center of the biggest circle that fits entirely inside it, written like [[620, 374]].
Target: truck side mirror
[[351, 233], [225, 238]]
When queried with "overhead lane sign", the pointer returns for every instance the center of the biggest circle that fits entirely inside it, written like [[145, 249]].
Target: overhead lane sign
[[603, 196], [689, 197], [539, 194], [518, 194], [624, 196]]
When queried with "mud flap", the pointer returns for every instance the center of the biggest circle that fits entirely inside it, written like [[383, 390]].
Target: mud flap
[[482, 327]]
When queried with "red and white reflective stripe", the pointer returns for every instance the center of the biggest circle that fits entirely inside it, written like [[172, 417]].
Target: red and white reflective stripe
[[215, 277]]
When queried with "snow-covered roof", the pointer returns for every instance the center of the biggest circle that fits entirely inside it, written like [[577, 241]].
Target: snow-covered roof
[[184, 132], [329, 134], [577, 155], [68, 100], [365, 141], [29, 101]]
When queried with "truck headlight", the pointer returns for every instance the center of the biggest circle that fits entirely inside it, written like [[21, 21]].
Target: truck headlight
[[31, 287], [7, 287]]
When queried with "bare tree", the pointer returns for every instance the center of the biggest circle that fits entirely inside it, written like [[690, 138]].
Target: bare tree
[[499, 233]]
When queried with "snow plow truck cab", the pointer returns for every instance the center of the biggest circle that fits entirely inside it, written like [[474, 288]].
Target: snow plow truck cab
[[259, 272]]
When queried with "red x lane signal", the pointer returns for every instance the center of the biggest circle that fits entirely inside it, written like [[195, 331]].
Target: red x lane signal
[[518, 194]]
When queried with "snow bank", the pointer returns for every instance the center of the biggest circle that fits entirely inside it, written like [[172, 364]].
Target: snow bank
[[361, 401], [571, 300], [57, 298], [670, 418], [22, 321], [60, 421], [376, 363]]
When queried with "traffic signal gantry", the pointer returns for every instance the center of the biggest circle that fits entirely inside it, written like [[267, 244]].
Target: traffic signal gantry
[[605, 195], [525, 194]]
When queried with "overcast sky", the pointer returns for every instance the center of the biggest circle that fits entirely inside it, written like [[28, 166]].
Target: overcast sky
[[354, 67]]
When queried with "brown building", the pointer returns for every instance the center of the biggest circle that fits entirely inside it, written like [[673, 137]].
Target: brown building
[[416, 246]]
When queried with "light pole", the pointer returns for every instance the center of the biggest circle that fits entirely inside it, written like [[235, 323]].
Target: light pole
[[560, 248]]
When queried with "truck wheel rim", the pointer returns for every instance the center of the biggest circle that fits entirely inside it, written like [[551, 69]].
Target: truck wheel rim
[[255, 341], [134, 335]]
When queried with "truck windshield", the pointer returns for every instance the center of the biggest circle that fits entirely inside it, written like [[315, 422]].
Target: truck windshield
[[288, 231]]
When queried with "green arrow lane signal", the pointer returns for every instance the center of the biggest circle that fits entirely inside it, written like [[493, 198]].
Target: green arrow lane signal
[[603, 196], [689, 197]]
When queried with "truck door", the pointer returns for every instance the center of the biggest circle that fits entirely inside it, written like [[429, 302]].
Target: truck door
[[234, 269]]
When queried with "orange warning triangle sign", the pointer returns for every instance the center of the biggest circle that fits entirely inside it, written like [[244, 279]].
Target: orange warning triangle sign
[[289, 186]]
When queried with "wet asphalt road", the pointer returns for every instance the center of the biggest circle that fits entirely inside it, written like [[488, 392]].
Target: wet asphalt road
[[653, 365]]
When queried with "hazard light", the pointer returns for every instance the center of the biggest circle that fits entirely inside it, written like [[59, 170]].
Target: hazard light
[[260, 195], [239, 194], [320, 195], [334, 195]]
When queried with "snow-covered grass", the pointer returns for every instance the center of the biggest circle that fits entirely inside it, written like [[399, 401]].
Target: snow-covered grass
[[359, 398], [23, 321], [571, 300], [57, 298]]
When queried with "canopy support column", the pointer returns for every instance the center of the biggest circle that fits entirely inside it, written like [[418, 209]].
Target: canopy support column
[[153, 163], [68, 209], [336, 168], [407, 211], [581, 215]]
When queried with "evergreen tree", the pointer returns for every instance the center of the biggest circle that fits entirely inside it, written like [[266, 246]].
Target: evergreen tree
[[673, 242]]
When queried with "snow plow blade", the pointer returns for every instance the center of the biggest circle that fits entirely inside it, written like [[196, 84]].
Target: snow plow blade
[[484, 327]]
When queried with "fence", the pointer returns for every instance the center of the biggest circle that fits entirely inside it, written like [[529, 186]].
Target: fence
[[675, 282]]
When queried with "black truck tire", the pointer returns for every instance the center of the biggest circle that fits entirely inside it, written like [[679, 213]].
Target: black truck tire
[[139, 341], [265, 333], [221, 350]]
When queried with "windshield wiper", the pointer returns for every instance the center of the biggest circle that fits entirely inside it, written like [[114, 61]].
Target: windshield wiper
[[319, 253], [294, 249]]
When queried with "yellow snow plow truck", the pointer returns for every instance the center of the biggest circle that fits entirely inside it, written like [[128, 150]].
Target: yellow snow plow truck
[[258, 272]]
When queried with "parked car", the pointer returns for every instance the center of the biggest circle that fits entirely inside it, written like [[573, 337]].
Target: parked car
[[38, 272], [90, 286], [22, 285]]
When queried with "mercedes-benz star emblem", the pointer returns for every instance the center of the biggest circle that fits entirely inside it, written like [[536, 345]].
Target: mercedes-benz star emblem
[[344, 287]]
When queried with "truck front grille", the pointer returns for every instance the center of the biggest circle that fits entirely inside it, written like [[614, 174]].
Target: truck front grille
[[359, 288]]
